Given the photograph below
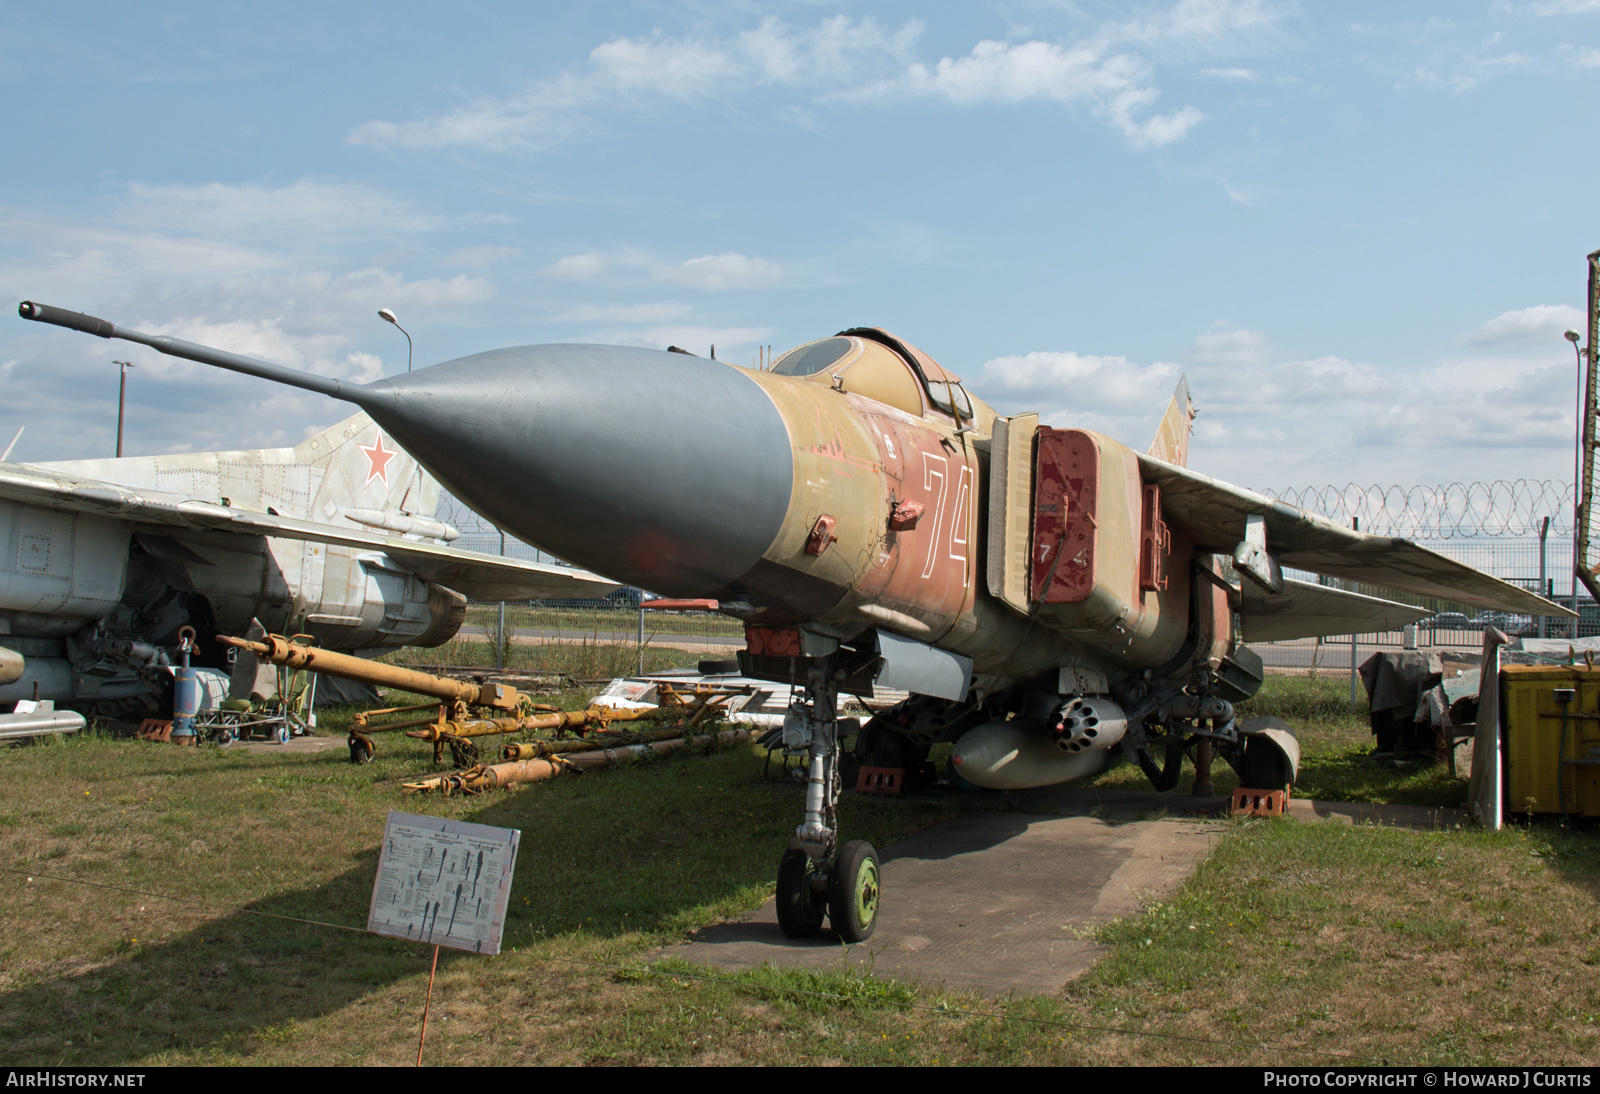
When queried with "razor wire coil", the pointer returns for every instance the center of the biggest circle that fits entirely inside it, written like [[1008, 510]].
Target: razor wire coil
[[1456, 510]]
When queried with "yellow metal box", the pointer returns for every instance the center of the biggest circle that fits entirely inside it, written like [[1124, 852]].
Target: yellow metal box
[[1540, 748]]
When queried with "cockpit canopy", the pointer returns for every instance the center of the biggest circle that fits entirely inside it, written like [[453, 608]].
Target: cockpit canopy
[[876, 365]]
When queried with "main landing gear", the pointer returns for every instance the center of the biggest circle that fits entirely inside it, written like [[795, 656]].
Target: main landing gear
[[816, 876]]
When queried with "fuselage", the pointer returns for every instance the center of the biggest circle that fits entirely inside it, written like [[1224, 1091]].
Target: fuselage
[[844, 489]]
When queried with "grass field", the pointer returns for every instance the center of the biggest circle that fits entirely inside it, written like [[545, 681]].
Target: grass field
[[1294, 943]]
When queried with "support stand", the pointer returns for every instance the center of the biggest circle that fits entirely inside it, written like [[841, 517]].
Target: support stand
[[1203, 786], [427, 1000]]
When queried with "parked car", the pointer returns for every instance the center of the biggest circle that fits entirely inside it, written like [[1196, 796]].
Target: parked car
[[1451, 621], [1512, 625]]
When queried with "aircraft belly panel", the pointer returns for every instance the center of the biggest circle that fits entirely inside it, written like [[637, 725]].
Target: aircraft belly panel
[[100, 559]]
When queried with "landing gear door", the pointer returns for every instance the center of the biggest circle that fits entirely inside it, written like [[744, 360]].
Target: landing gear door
[[1011, 508]]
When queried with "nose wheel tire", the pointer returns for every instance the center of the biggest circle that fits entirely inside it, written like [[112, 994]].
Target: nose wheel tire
[[853, 892], [800, 904], [360, 751]]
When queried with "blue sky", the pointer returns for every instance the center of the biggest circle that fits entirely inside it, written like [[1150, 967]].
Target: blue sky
[[1359, 229]]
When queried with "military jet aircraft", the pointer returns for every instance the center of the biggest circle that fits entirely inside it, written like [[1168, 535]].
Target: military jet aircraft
[[103, 562], [1051, 599]]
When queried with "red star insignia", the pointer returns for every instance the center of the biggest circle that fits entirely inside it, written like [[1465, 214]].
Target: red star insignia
[[377, 461]]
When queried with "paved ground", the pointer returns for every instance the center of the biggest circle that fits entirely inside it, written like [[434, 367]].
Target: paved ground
[[990, 902], [1007, 901]]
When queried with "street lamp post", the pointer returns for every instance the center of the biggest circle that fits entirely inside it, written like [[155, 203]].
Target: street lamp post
[[122, 396], [1577, 482], [388, 317]]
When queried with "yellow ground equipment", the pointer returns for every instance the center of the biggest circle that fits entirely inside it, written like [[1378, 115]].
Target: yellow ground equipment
[[464, 710], [1552, 727]]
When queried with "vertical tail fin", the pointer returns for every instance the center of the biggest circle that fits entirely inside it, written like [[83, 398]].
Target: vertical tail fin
[[353, 467], [1172, 435], [369, 479]]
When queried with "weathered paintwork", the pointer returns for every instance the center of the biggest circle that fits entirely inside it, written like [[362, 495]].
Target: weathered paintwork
[[847, 491]]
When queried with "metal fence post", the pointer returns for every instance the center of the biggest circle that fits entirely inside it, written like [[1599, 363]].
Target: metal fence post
[[1355, 680], [640, 610], [500, 628], [1544, 533]]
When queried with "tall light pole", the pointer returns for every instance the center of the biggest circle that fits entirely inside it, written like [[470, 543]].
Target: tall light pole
[[122, 396], [1581, 463], [388, 317]]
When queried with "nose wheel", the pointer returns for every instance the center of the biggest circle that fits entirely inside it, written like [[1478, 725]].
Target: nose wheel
[[853, 888], [816, 876], [846, 892], [801, 903]]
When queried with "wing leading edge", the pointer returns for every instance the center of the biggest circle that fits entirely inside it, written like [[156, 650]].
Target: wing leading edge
[[479, 576], [1212, 513]]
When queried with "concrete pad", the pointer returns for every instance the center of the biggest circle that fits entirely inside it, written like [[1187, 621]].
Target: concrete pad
[[1425, 817], [991, 902]]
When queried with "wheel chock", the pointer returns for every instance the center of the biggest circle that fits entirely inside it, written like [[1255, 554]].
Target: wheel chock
[[888, 782], [1259, 803], [155, 729]]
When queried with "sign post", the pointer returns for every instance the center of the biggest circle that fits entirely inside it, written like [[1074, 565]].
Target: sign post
[[444, 882]]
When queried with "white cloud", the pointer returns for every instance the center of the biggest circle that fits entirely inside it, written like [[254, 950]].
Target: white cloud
[[363, 286], [724, 271], [1028, 70], [309, 207], [1202, 22], [643, 73], [1229, 347], [1243, 75], [1492, 408], [259, 286], [845, 60], [1109, 394], [1116, 85], [1101, 381], [1541, 323], [584, 267], [1241, 193]]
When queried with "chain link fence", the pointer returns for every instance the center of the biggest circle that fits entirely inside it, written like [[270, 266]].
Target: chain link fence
[[1520, 531]]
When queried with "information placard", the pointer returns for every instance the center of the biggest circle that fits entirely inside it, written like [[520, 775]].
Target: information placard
[[444, 882]]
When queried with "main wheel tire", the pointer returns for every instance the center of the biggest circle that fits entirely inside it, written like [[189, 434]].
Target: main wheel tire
[[800, 905], [853, 891]]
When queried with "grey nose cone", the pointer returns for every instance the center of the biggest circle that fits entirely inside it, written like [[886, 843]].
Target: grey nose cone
[[665, 471]]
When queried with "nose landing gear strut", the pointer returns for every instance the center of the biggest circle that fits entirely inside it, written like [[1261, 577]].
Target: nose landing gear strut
[[816, 876]]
